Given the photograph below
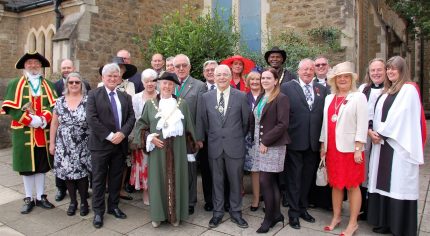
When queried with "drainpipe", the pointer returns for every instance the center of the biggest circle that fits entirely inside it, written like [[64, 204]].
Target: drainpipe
[[59, 16]]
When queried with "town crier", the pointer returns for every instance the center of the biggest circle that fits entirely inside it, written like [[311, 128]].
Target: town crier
[[29, 101]]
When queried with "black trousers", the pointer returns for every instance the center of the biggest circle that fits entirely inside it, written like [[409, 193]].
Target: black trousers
[[301, 166], [60, 184], [108, 163]]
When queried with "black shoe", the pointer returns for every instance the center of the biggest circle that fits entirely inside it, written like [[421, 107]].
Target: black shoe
[[285, 200], [214, 222], [307, 217], [240, 222], [44, 203], [264, 228], [254, 208], [190, 210], [227, 207], [126, 197], [117, 213], [28, 205], [381, 230], [362, 216], [98, 221], [59, 196], [294, 222], [84, 210], [71, 211], [129, 188], [311, 205], [208, 206], [279, 219]]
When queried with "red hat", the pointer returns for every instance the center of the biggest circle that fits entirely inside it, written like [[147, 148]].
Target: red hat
[[248, 64]]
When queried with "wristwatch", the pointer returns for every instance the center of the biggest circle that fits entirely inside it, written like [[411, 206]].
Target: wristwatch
[[357, 148]]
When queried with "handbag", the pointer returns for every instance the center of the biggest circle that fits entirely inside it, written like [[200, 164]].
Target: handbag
[[321, 179]]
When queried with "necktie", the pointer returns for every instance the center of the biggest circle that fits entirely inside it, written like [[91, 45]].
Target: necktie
[[308, 95], [114, 110], [221, 105], [212, 86]]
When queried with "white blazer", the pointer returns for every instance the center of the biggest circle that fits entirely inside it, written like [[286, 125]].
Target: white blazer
[[352, 122]]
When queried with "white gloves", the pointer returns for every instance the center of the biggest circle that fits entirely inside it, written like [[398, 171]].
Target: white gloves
[[37, 121]]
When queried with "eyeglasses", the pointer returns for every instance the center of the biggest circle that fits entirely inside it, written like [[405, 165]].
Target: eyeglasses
[[320, 65], [74, 82], [210, 70], [179, 66]]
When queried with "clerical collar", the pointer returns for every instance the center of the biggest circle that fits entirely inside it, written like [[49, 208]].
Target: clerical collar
[[377, 86]]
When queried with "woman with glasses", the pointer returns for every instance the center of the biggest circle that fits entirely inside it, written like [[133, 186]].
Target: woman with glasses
[[69, 142]]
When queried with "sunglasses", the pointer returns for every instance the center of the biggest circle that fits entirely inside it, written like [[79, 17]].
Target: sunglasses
[[320, 65], [74, 82], [181, 65]]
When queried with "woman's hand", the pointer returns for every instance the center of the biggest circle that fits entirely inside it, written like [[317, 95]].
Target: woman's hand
[[52, 148], [322, 152], [263, 149], [374, 136], [358, 157], [157, 142]]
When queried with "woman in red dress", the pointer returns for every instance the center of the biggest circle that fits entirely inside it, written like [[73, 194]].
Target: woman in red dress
[[239, 66], [343, 135]]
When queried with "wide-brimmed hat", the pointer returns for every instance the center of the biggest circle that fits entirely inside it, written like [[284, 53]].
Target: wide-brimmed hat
[[32, 55], [275, 50], [341, 69], [248, 64], [170, 76], [130, 69]]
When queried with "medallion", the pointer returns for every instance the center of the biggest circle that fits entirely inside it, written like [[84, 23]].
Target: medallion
[[334, 118]]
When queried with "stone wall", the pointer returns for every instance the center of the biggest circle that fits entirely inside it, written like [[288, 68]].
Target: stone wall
[[8, 47]]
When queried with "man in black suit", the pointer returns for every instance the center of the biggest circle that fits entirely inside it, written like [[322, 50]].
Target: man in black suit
[[306, 114], [110, 117], [66, 68]]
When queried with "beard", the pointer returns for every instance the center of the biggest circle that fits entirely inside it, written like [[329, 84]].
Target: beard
[[33, 72]]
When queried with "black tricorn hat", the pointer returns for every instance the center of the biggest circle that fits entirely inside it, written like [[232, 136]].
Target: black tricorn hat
[[275, 50], [32, 55], [130, 69], [169, 76]]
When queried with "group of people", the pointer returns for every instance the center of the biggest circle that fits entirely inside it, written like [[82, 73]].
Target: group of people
[[152, 130]]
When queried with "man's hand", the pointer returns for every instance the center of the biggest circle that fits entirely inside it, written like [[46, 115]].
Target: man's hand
[[157, 142], [199, 144], [117, 137], [374, 136]]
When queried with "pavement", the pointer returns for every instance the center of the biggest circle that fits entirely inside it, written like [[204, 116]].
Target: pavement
[[56, 222]]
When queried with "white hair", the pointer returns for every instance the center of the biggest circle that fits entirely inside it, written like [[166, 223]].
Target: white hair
[[304, 61], [111, 67], [149, 74], [183, 55], [221, 67]]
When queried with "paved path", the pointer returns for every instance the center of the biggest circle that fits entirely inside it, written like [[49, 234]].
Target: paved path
[[56, 222]]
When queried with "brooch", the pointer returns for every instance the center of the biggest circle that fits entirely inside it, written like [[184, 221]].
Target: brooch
[[317, 91]]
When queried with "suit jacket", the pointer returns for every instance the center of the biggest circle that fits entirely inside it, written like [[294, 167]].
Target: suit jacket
[[192, 94], [305, 125], [59, 87], [273, 122], [288, 76], [226, 134], [101, 119], [352, 122], [137, 81]]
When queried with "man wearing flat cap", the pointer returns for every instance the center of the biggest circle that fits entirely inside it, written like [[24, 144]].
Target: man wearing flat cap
[[29, 101], [276, 58]]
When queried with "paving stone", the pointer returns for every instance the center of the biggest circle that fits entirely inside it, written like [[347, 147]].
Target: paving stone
[[136, 218], [7, 231], [184, 229], [84, 227], [10, 180], [8, 195]]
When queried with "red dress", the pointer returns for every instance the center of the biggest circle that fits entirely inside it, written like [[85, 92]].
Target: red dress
[[342, 171]]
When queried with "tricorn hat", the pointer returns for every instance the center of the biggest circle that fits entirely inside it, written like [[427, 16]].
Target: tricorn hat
[[130, 69], [169, 76], [32, 55], [275, 50]]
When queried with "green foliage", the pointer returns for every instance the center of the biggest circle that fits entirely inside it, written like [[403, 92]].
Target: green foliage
[[201, 38], [416, 13], [310, 44]]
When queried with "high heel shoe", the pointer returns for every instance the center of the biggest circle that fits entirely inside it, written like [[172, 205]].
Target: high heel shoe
[[279, 219], [254, 208], [329, 228], [264, 228], [353, 232]]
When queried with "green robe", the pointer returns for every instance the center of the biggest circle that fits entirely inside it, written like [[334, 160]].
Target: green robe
[[157, 164]]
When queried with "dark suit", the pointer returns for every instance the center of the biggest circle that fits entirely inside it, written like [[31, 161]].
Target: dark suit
[[226, 146], [303, 152], [192, 93], [287, 76], [136, 79], [107, 158]]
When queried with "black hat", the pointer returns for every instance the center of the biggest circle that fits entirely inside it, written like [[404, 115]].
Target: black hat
[[169, 76], [130, 69], [275, 50], [32, 55]]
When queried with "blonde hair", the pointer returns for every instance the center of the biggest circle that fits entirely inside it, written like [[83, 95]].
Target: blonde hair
[[335, 89], [397, 62], [252, 75]]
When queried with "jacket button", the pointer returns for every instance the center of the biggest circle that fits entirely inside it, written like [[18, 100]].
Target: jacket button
[[260, 139], [261, 126], [261, 133]]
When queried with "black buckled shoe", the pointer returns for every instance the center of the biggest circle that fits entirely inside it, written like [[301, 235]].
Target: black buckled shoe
[[44, 203], [59, 196], [117, 213], [71, 211], [28, 205]]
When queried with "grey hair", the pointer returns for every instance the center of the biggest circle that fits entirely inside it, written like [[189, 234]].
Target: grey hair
[[210, 62], [149, 74], [222, 66], [303, 61], [186, 58], [321, 57], [111, 67], [170, 58], [75, 75]]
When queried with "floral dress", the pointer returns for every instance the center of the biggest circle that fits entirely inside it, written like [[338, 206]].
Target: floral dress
[[72, 159]]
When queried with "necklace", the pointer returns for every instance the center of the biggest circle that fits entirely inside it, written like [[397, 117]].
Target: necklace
[[336, 108], [165, 125]]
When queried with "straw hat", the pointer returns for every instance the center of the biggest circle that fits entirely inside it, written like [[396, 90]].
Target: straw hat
[[341, 69]]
